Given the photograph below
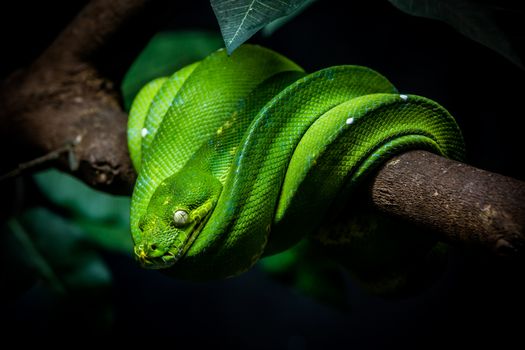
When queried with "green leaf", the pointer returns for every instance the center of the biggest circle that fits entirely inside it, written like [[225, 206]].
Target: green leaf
[[240, 19], [57, 251], [74, 282], [164, 54], [271, 27], [103, 217], [478, 20]]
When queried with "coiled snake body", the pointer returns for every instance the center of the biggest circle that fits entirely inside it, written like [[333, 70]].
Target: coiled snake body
[[244, 155]]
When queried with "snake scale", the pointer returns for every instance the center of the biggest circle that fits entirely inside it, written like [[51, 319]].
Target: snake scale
[[242, 156]]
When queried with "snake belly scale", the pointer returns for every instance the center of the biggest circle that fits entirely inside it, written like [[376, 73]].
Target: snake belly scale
[[243, 156]]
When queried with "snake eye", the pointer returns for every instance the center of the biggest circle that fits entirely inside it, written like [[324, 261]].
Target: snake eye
[[180, 218]]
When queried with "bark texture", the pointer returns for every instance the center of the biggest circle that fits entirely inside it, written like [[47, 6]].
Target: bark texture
[[64, 98], [463, 203]]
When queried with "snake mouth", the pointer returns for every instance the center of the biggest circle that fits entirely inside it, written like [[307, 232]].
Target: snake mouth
[[158, 262], [162, 262], [169, 258]]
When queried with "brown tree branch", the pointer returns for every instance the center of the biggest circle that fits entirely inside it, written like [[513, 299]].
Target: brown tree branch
[[63, 97], [69, 94], [465, 204]]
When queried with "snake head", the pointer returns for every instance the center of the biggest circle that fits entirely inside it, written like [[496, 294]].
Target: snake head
[[176, 214]]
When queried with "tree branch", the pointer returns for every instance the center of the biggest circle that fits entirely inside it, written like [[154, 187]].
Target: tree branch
[[70, 94], [63, 97], [465, 204]]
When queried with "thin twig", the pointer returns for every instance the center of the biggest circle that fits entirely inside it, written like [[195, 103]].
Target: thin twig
[[53, 155]]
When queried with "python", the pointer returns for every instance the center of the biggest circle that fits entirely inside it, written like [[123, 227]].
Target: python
[[242, 156]]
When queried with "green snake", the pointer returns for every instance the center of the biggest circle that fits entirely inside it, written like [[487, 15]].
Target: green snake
[[242, 156]]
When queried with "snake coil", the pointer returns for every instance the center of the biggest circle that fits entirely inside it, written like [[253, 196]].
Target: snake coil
[[244, 155]]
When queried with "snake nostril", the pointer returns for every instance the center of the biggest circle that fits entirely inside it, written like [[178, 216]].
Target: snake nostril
[[153, 247]]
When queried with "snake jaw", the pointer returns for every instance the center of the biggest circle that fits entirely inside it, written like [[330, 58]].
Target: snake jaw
[[150, 260], [165, 261], [143, 255]]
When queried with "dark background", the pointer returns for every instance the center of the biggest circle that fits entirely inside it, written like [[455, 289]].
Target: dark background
[[479, 299]]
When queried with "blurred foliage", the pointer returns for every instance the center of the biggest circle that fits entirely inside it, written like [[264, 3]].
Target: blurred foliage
[[58, 245], [46, 253], [57, 251], [104, 217], [52, 253]]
